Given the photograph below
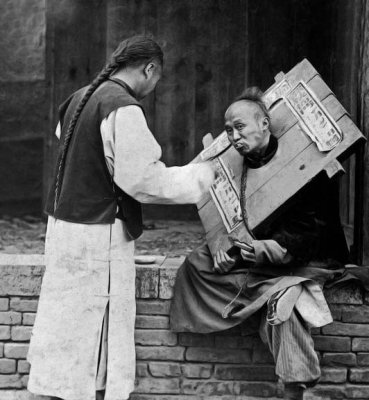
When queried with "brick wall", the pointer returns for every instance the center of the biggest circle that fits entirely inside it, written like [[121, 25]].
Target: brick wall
[[224, 366]]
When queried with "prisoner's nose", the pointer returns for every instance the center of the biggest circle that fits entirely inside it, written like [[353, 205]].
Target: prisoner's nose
[[236, 135]]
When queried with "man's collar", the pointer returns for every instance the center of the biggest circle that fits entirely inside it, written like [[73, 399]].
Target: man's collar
[[258, 160], [125, 85]]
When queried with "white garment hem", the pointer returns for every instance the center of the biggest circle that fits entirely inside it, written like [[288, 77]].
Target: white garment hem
[[44, 392]]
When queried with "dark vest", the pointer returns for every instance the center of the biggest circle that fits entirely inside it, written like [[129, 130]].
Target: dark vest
[[88, 194]]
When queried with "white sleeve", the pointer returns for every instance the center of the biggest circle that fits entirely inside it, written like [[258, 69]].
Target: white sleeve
[[58, 131], [139, 173]]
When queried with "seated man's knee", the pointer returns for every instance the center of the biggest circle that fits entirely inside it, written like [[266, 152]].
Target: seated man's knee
[[199, 259]]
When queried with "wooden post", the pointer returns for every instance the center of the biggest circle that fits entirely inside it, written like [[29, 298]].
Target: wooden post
[[363, 156], [345, 66], [75, 52]]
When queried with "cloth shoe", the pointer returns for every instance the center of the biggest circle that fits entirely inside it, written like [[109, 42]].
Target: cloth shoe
[[100, 394], [281, 304], [294, 391]]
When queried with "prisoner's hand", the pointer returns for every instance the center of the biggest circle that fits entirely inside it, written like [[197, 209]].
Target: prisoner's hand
[[249, 256], [223, 263]]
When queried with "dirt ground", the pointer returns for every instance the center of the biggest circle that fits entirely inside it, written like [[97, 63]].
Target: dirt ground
[[171, 238]]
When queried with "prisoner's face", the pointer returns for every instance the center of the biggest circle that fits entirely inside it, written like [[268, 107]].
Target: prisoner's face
[[246, 127]]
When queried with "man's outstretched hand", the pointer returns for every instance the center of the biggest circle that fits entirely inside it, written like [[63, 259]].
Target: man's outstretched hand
[[223, 263]]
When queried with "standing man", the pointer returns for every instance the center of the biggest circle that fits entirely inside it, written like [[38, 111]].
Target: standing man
[[301, 246], [82, 345]]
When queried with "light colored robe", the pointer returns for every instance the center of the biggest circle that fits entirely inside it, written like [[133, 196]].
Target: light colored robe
[[90, 273]]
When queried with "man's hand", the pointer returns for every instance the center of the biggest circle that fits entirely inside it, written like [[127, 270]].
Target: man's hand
[[223, 263]]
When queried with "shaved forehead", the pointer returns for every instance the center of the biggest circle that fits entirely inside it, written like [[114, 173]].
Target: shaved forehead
[[244, 107]]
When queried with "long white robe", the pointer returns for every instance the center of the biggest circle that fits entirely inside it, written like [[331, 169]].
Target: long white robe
[[90, 273]]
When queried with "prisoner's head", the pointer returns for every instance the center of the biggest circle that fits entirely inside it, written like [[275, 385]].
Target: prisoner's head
[[247, 123]]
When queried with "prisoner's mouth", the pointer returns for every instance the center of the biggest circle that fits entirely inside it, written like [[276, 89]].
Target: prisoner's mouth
[[242, 147]]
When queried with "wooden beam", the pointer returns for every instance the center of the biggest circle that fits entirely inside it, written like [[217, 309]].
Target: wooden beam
[[345, 67], [362, 200]]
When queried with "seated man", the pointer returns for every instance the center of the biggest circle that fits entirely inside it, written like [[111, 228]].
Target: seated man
[[304, 244]]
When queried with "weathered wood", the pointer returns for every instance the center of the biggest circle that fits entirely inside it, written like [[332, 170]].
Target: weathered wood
[[23, 109], [23, 180], [319, 87], [262, 50], [275, 42], [302, 169], [218, 238], [345, 83], [327, 33], [363, 164], [176, 91], [334, 168], [229, 56], [283, 118], [295, 142], [296, 162], [200, 78], [205, 78], [23, 106], [290, 144], [303, 71], [207, 140], [75, 52], [128, 18]]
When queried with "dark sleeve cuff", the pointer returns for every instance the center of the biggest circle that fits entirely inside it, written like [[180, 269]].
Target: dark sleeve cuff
[[270, 252]]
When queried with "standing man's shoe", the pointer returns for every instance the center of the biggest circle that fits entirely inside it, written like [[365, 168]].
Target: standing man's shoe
[[294, 391]]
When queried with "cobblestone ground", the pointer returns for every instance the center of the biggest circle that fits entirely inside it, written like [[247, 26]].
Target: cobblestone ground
[[172, 238]]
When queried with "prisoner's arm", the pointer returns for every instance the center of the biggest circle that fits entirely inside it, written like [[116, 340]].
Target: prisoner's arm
[[269, 252]]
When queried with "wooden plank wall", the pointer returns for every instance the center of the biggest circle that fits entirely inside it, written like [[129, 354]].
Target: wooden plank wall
[[213, 48], [23, 105], [327, 34], [23, 108], [75, 52], [364, 119], [205, 46], [345, 83]]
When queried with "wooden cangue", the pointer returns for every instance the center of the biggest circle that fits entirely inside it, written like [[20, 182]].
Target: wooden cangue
[[314, 133]]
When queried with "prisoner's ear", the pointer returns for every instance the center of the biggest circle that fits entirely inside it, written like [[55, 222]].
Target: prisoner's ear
[[265, 123]]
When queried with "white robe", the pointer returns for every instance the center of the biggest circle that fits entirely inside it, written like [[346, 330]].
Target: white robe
[[90, 273]]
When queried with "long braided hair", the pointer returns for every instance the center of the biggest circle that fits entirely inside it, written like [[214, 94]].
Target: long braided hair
[[134, 51], [255, 95]]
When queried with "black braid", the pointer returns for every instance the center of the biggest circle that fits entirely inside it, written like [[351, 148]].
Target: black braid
[[243, 199], [103, 76]]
